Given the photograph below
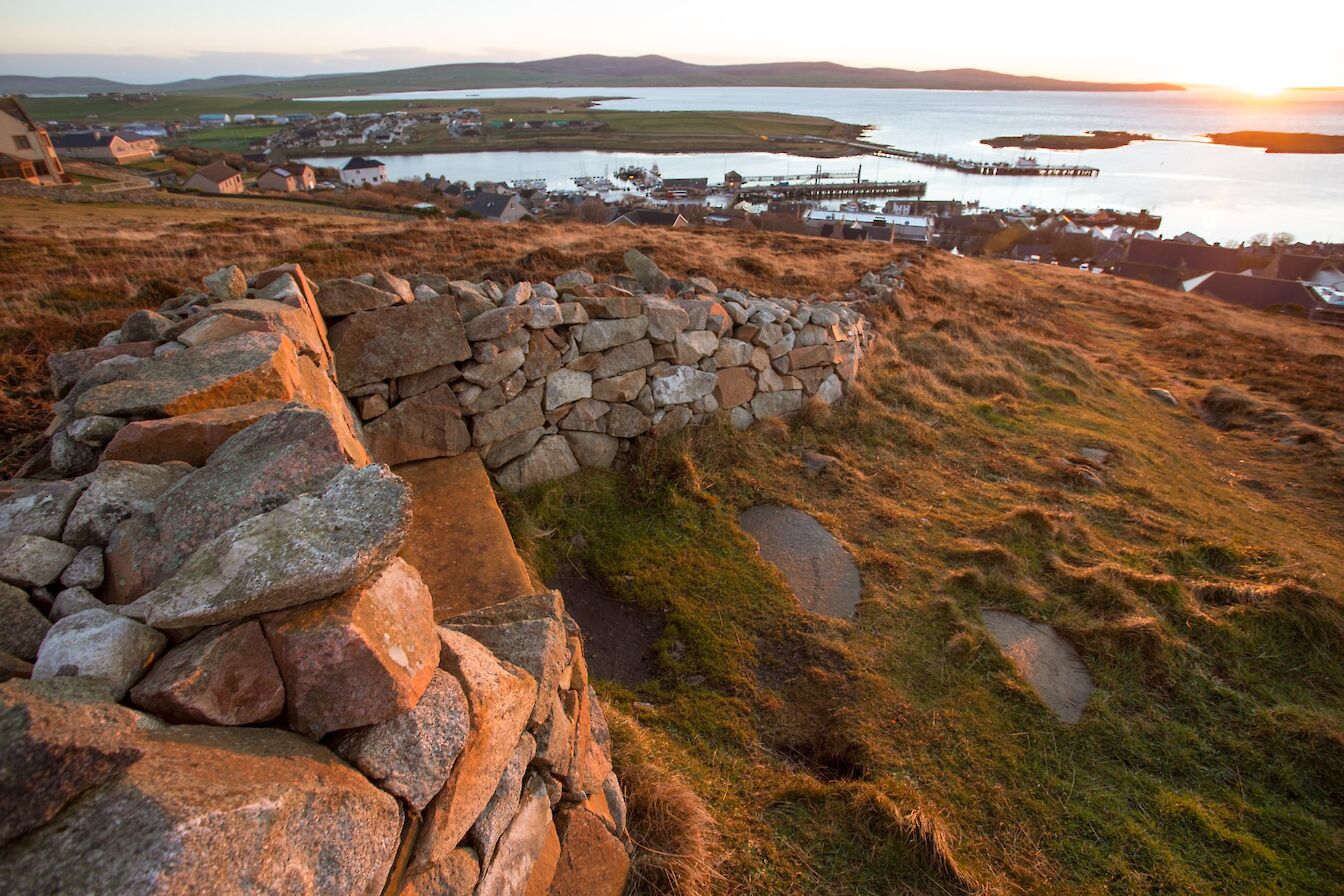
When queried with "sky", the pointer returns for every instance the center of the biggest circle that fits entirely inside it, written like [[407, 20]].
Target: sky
[[1183, 41]]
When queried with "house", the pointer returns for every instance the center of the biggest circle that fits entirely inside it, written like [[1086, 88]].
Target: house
[[214, 118], [121, 148], [494, 207], [647, 217], [1187, 258], [288, 178], [26, 152], [362, 172], [216, 177], [870, 226], [265, 157], [1260, 293]]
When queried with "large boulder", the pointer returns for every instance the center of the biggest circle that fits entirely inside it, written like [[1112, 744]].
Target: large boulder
[[311, 548], [58, 738], [282, 456], [424, 426], [99, 644], [500, 698], [360, 658], [246, 368], [306, 331], [187, 437], [216, 810], [223, 676], [411, 755], [390, 342]]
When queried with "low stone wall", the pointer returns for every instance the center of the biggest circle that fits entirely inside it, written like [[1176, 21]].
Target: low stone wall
[[222, 672], [542, 379]]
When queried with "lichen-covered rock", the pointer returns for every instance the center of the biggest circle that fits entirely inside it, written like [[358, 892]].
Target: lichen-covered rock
[[449, 872], [22, 626], [280, 457], [68, 368], [223, 676], [360, 658], [551, 458], [30, 561], [519, 415], [593, 449], [72, 601], [212, 810], [311, 548], [39, 508], [411, 755], [681, 385], [116, 490], [566, 386], [99, 644], [601, 335], [226, 283], [649, 275], [525, 631]]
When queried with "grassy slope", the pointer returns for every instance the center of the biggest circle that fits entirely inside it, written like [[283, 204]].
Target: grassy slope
[[900, 753]]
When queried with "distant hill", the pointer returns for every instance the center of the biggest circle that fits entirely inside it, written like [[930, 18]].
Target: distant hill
[[586, 71], [34, 85]]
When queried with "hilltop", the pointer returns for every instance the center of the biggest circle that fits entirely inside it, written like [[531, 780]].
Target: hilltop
[[1191, 554], [585, 71]]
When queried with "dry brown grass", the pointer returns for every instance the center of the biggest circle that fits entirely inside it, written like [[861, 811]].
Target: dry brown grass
[[677, 848]]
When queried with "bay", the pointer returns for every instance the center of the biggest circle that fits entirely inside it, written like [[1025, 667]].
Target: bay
[[1219, 192]]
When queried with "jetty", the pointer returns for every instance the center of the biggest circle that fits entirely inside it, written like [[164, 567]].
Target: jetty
[[1024, 167]]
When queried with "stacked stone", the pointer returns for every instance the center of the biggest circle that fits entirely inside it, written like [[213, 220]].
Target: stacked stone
[[220, 675], [543, 379], [881, 285]]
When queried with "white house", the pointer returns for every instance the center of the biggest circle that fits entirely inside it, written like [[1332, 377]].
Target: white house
[[361, 172]]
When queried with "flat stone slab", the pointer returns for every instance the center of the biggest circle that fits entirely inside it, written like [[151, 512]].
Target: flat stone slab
[[817, 566], [1048, 662], [459, 540]]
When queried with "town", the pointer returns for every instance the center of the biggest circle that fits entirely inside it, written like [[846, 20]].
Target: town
[[1302, 279]]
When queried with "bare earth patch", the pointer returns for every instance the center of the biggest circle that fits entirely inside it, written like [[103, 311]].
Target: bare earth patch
[[818, 568], [1048, 662]]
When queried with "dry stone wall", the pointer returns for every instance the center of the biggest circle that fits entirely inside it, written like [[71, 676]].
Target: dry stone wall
[[543, 379], [220, 672]]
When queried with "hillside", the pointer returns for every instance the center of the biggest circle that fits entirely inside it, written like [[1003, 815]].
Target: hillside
[[596, 71], [1197, 567]]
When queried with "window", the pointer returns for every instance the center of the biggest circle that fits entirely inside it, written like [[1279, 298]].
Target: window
[[22, 142]]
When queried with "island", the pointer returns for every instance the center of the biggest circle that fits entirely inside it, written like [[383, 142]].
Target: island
[[1089, 140], [1281, 142]]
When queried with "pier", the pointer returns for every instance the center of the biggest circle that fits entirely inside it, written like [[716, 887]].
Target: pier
[[844, 190], [968, 166]]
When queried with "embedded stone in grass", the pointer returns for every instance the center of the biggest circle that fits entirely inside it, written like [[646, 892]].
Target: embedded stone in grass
[[818, 568], [1048, 662]]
